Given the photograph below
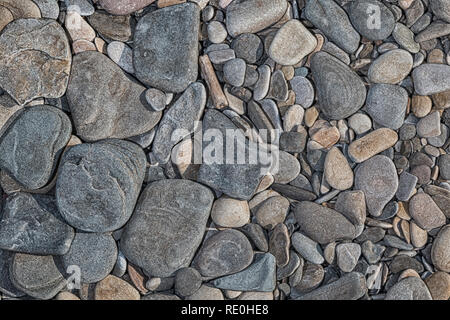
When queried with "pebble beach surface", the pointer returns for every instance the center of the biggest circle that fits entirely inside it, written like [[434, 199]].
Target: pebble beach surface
[[119, 179]]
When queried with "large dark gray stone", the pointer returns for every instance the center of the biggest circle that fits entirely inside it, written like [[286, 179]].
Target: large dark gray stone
[[98, 184], [166, 47], [167, 226]]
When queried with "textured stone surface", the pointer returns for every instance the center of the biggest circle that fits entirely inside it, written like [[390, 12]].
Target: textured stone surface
[[167, 226], [230, 213], [94, 253], [224, 253], [166, 47], [98, 184], [38, 136], [337, 170], [322, 224], [187, 281], [377, 178], [114, 111], [112, 27], [347, 255], [333, 21], [114, 288], [307, 248], [371, 144], [425, 212], [29, 228], [410, 288], [124, 7], [179, 121], [6, 286], [340, 90], [35, 59], [431, 78], [440, 252], [252, 16], [391, 67]]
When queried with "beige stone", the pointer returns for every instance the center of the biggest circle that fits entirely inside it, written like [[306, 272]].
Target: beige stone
[[230, 213], [114, 288], [371, 144], [338, 173]]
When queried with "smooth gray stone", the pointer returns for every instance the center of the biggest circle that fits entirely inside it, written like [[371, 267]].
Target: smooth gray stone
[[444, 166], [37, 276], [347, 256], [83, 7], [160, 296], [433, 31], [431, 78], [94, 253], [321, 224], [395, 242], [429, 126], [248, 46], [237, 180], [278, 89], [335, 51], [187, 281], [410, 288], [251, 16], [288, 168], [386, 104], [261, 87], [372, 252], [271, 109], [362, 15], [109, 106], [440, 9], [261, 121], [293, 141], [166, 47], [439, 141], [406, 186], [333, 21], [389, 211], [373, 234], [224, 253], [167, 226], [35, 59], [351, 286], [144, 140], [179, 121], [28, 227], [259, 276], [221, 56], [31, 143], [403, 262], [98, 184], [256, 235], [304, 91], [377, 178], [307, 248], [340, 90], [234, 72], [294, 263], [6, 286], [405, 38]]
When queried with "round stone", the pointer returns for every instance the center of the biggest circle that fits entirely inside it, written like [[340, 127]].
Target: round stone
[[304, 91], [272, 212], [230, 213], [425, 212], [360, 123], [439, 285], [391, 67], [234, 72], [347, 255], [365, 22], [216, 32], [410, 288], [337, 171], [187, 281], [440, 251], [114, 288], [248, 46]]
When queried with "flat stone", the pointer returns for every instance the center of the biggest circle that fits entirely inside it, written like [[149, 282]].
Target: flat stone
[[262, 86], [444, 166], [84, 7], [403, 262], [165, 54], [259, 276], [6, 17], [372, 252], [179, 121], [347, 255], [360, 123], [439, 285], [224, 253], [406, 186], [425, 212], [29, 228], [94, 253], [421, 105], [230, 213], [294, 263], [117, 166], [363, 19], [187, 281], [288, 168], [292, 43], [116, 112], [431, 78], [293, 141], [386, 104], [440, 251], [312, 277], [234, 72], [395, 242], [37, 276], [307, 248], [423, 174], [279, 244], [293, 118], [37, 63], [405, 38], [419, 236], [248, 46], [122, 55], [340, 90], [236, 180], [377, 178], [351, 286], [391, 67], [440, 140], [337, 171], [114, 288], [77, 27], [272, 212], [304, 91], [372, 144], [124, 6], [111, 27], [325, 134], [38, 136], [206, 293], [333, 21], [278, 89], [6, 286], [167, 226], [156, 99], [221, 56], [410, 288], [433, 31], [216, 32], [429, 126], [440, 9], [352, 205], [22, 9], [252, 16], [322, 224]]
